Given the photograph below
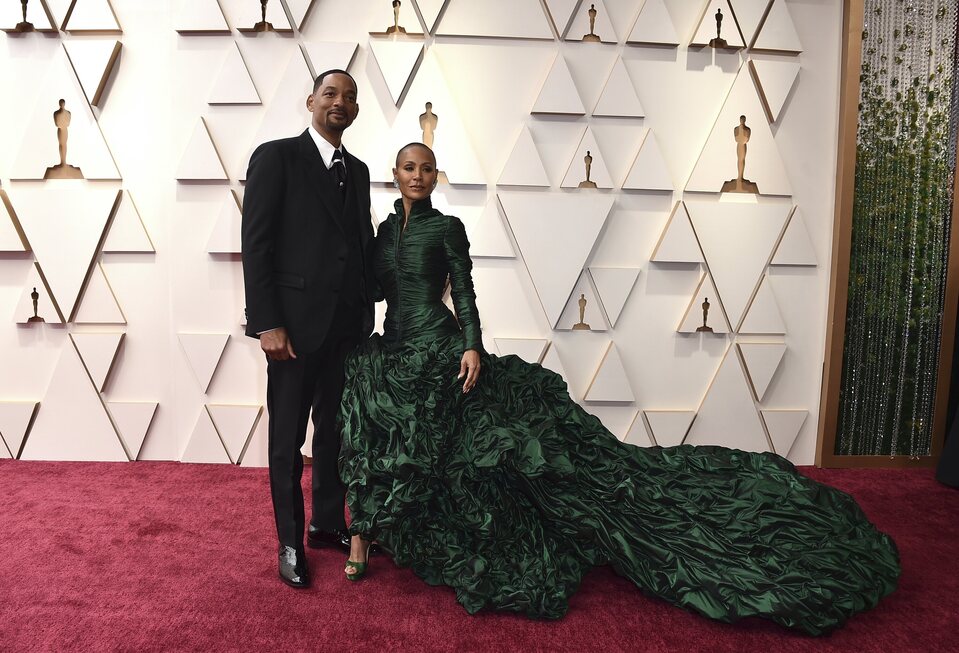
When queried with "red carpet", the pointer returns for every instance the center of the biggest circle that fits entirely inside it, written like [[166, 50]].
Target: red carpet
[[171, 557]]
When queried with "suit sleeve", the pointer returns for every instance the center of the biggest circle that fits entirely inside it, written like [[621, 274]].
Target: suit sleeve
[[461, 283], [262, 204]]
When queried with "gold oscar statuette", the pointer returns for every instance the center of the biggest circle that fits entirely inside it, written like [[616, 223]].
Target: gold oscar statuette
[[704, 328], [35, 296], [24, 25], [719, 41], [263, 25], [740, 184], [581, 325], [588, 160], [63, 170], [591, 37], [396, 28], [428, 123]]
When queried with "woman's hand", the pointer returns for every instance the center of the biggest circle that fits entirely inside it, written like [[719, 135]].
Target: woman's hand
[[470, 368]]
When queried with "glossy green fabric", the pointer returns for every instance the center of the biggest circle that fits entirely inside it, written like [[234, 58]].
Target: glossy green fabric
[[509, 494]]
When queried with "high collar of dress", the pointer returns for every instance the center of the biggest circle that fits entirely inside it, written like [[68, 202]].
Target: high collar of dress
[[423, 208]]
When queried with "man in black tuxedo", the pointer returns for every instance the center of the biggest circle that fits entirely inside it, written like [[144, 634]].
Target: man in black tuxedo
[[306, 233]]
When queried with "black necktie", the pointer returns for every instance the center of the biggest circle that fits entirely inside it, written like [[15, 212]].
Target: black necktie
[[338, 168]]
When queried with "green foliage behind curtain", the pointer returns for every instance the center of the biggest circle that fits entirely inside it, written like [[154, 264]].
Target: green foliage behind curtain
[[901, 224]]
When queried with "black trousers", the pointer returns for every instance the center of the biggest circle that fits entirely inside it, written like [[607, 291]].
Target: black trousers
[[312, 381]]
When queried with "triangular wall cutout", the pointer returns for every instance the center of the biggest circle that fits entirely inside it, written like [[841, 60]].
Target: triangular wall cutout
[[233, 84], [93, 62], [678, 243], [749, 16], [737, 270], [46, 307], [518, 19], [488, 237], [16, 421], [127, 232], [603, 28], [654, 26], [98, 351], [778, 32], [235, 424], [99, 303], [715, 315], [133, 420], [763, 316], [396, 59], [559, 94], [225, 237], [669, 427], [201, 17], [619, 97], [205, 445], [524, 166], [203, 351], [91, 16], [588, 150], [430, 10], [784, 427], [719, 163], [795, 248], [610, 382], [762, 360], [200, 160], [247, 15], [614, 286], [561, 14], [775, 80], [574, 221], [593, 314], [530, 350], [327, 55], [649, 171], [299, 10], [707, 30], [37, 14]]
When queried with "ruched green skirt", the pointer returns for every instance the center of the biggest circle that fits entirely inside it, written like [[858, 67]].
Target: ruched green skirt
[[511, 493]]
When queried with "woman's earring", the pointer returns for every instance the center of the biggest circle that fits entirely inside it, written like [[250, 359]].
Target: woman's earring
[[396, 183]]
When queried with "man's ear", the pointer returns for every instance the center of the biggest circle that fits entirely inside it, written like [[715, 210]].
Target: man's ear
[[309, 103]]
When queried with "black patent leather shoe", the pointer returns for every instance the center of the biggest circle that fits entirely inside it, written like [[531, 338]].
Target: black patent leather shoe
[[293, 569], [317, 539]]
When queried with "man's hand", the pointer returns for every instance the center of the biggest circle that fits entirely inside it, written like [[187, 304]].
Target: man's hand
[[470, 368], [276, 345]]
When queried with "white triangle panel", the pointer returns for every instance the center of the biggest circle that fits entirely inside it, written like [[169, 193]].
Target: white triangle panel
[[396, 60], [530, 350], [763, 316], [127, 233], [737, 270], [133, 420], [654, 26], [11, 14], [64, 224], [57, 9], [200, 17], [727, 416], [488, 237], [616, 419], [299, 10], [233, 84], [203, 351], [200, 160], [11, 239], [762, 360], [518, 19], [98, 351], [99, 303], [72, 423], [619, 97], [649, 170], [795, 248], [669, 427], [524, 166], [638, 434], [327, 55], [16, 421], [580, 25], [716, 315], [91, 16], [783, 427], [93, 62], [610, 382], [430, 11], [678, 243], [561, 14], [599, 173], [778, 32], [552, 361], [235, 424], [719, 160], [85, 145], [593, 315], [204, 445], [749, 15], [225, 237], [706, 31], [614, 286], [573, 220], [775, 80], [46, 307], [247, 14], [559, 94]]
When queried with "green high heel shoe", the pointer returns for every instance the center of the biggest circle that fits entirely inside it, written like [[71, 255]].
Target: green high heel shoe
[[359, 568]]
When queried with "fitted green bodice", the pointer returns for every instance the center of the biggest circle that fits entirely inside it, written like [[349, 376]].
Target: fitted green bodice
[[412, 267]]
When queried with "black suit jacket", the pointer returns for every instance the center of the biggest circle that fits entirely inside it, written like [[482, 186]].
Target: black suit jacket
[[297, 235]]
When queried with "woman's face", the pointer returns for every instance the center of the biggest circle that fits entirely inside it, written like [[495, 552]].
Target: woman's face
[[415, 172]]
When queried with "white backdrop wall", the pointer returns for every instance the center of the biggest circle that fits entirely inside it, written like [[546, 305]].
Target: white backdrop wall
[[514, 170]]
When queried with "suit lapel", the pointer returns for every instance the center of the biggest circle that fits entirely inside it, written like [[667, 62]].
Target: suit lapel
[[320, 181], [353, 170]]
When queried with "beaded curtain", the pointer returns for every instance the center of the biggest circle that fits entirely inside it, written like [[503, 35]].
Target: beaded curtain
[[906, 158]]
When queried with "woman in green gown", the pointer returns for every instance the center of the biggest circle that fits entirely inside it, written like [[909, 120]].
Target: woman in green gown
[[479, 471]]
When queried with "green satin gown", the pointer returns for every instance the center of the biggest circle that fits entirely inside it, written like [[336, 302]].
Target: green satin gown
[[511, 493]]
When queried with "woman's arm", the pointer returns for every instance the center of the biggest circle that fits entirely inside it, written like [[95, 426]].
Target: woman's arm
[[461, 283]]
